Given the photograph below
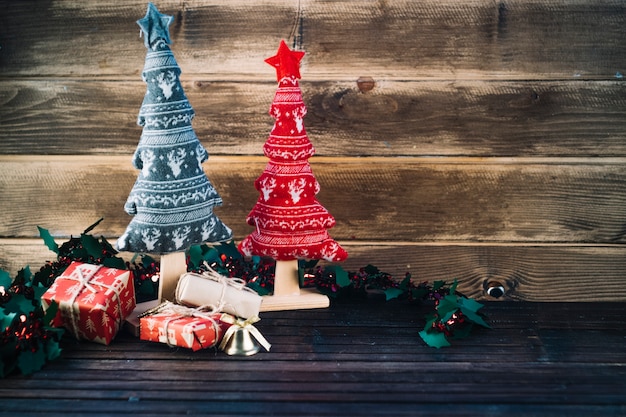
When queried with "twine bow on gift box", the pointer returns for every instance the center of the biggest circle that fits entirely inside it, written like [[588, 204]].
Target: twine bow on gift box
[[178, 312], [206, 312], [236, 283], [85, 284], [238, 326], [217, 297], [218, 292]]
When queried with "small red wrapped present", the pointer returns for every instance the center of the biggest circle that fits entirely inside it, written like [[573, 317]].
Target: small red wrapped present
[[93, 300], [177, 325]]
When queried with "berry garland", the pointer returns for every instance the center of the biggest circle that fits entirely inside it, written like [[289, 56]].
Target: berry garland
[[27, 341], [454, 314]]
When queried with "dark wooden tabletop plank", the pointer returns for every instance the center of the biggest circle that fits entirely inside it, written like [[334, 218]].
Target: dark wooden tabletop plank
[[563, 359]]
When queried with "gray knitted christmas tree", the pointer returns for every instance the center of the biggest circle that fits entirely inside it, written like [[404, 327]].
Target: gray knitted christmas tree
[[172, 200]]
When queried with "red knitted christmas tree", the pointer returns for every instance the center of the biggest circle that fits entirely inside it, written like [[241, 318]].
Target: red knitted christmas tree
[[289, 222]]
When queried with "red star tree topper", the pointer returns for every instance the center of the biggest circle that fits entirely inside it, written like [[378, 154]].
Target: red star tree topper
[[289, 222]]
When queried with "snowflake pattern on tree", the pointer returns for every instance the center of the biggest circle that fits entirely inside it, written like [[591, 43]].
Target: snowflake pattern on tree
[[172, 200], [289, 221]]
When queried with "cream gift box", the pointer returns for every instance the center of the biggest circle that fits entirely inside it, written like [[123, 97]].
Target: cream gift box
[[220, 293]]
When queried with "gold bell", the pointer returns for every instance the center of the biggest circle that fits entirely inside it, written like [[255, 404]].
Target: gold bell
[[241, 343]]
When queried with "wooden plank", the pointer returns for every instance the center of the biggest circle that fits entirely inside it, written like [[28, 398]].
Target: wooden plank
[[99, 117], [536, 378], [403, 39], [448, 39], [531, 273], [472, 118], [307, 393], [526, 272], [372, 199], [207, 36], [313, 407]]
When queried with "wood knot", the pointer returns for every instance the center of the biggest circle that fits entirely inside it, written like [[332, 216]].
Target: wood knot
[[494, 289], [365, 84]]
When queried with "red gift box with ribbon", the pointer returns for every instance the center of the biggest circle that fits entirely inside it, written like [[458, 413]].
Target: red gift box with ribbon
[[177, 325], [93, 300]]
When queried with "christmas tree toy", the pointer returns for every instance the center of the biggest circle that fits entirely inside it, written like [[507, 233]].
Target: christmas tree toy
[[172, 200], [289, 222]]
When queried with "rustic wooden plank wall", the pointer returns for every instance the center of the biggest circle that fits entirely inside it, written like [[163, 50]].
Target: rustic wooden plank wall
[[492, 146]]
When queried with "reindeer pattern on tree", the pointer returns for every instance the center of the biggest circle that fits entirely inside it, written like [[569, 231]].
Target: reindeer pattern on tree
[[172, 199]]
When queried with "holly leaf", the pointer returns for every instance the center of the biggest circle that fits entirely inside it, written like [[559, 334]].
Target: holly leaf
[[391, 293], [28, 276], [145, 288], [475, 317], [211, 255], [434, 339], [341, 276], [371, 270], [51, 312], [229, 249], [195, 255], [114, 262], [430, 321], [463, 331], [453, 286], [29, 361], [6, 318], [448, 315], [91, 245], [438, 284], [304, 264], [39, 290], [107, 246], [147, 261], [447, 304], [406, 282], [419, 293], [256, 260], [469, 304], [93, 226], [470, 308], [53, 349], [78, 253], [19, 304], [258, 288], [48, 240]]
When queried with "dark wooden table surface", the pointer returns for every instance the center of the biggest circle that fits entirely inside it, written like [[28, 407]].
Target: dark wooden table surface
[[354, 358]]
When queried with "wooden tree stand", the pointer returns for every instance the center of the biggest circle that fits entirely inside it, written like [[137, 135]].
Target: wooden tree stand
[[173, 265], [287, 292]]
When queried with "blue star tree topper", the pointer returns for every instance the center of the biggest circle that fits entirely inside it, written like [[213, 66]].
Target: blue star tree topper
[[155, 26]]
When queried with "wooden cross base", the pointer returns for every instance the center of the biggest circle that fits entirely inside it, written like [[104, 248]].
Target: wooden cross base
[[307, 298], [287, 292]]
